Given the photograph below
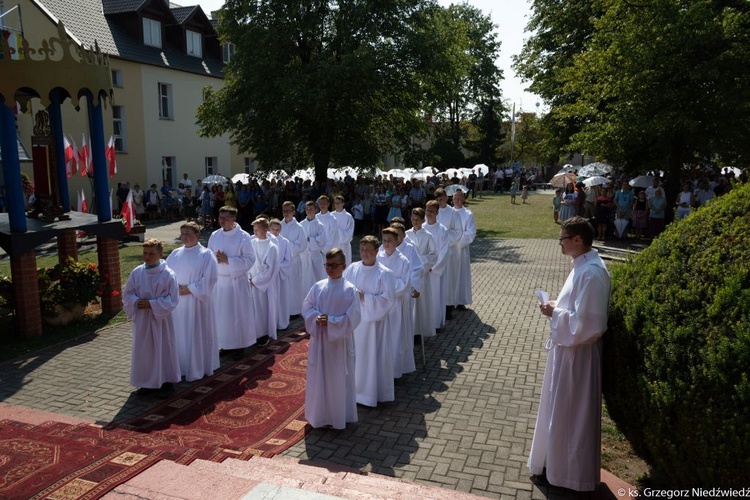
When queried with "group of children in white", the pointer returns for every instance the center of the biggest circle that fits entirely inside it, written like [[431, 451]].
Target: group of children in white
[[362, 317]]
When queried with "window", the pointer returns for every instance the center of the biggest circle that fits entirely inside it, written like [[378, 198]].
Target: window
[[211, 165], [227, 51], [194, 44], [118, 127], [249, 165], [165, 101], [117, 77], [168, 164], [151, 32]]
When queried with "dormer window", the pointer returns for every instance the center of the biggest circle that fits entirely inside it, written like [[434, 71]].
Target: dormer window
[[194, 44], [151, 32], [227, 51]]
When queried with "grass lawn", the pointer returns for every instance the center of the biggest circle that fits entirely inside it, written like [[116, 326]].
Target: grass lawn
[[497, 218]]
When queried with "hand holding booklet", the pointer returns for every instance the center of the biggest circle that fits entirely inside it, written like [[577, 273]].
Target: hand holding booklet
[[543, 296]]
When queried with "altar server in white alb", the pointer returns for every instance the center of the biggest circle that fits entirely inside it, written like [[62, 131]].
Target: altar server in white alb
[[373, 372], [232, 298], [316, 241], [329, 224], [399, 317], [196, 270], [293, 231], [468, 232], [150, 295], [284, 278], [331, 312], [345, 223], [263, 278], [567, 437], [422, 313], [440, 235], [449, 218]]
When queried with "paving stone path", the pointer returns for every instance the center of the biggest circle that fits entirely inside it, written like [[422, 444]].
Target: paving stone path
[[465, 421]]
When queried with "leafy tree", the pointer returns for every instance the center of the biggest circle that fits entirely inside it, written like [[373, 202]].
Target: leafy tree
[[319, 82]]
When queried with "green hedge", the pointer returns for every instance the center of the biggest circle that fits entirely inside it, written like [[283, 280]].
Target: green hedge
[[677, 352]]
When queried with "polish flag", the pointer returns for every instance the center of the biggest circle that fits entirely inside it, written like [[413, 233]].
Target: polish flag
[[82, 205], [70, 157], [128, 212], [84, 157], [110, 154]]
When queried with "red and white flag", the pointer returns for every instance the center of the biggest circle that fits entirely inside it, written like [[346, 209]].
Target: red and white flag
[[110, 154], [84, 157], [128, 212], [70, 156], [82, 205]]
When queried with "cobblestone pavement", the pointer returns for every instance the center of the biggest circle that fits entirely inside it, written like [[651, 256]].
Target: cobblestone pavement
[[465, 421]]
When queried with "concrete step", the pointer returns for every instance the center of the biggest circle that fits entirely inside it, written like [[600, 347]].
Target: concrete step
[[168, 480], [329, 479]]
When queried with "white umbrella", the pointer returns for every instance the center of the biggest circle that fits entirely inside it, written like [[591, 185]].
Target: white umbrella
[[452, 172], [597, 180], [562, 179], [243, 178], [571, 169], [451, 190], [596, 168], [727, 170], [642, 181], [420, 177], [216, 179], [620, 225], [482, 168], [429, 170]]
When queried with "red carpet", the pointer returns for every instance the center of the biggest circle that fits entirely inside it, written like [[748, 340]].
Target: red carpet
[[253, 407]]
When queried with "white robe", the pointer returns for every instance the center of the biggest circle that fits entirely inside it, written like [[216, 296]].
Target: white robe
[[373, 371], [439, 295], [345, 222], [235, 324], [567, 437], [422, 313], [330, 396], [265, 295], [331, 231], [301, 271], [315, 232], [194, 321], [449, 218], [285, 282], [469, 232], [154, 359], [399, 317]]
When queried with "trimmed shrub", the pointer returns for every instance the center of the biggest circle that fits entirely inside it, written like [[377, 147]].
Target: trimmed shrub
[[677, 351]]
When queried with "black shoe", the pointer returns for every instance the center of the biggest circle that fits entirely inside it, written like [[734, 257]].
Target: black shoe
[[448, 313], [417, 339], [263, 341], [461, 307], [145, 391], [167, 389], [238, 354]]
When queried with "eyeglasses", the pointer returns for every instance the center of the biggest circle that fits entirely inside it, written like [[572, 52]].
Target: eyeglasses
[[565, 238], [332, 266]]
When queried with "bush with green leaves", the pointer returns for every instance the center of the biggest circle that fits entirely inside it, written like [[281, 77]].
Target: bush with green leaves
[[677, 352]]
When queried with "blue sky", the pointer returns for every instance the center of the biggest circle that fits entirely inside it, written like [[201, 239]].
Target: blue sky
[[510, 18]]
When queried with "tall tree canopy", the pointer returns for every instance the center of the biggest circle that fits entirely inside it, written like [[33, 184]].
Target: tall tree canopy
[[656, 83], [342, 82], [318, 82]]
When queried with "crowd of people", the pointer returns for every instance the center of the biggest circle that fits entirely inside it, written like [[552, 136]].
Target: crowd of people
[[241, 289], [620, 210]]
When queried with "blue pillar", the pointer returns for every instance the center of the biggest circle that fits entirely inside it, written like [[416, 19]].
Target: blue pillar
[[101, 184], [55, 120], [12, 169]]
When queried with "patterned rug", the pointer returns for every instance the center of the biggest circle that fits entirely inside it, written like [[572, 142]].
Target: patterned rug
[[252, 407]]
